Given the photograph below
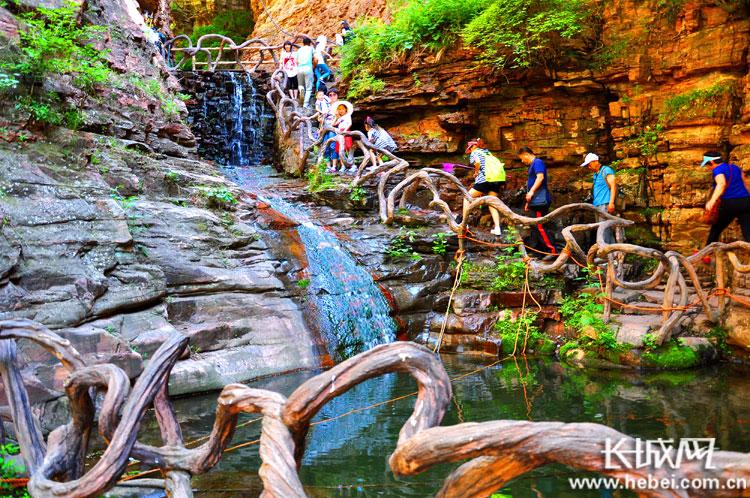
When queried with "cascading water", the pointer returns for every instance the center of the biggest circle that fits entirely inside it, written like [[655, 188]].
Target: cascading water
[[353, 314], [228, 117], [237, 132]]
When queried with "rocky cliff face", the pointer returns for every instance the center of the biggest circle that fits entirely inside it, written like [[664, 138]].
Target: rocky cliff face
[[310, 17], [666, 85], [114, 235]]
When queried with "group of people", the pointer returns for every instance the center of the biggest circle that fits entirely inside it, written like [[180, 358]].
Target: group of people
[[334, 113], [730, 199], [306, 67]]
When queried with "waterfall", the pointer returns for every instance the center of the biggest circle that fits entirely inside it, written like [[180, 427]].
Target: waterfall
[[229, 117], [354, 314], [237, 141]]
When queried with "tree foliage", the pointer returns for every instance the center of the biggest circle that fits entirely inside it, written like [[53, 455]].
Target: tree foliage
[[510, 33], [53, 42], [524, 33]]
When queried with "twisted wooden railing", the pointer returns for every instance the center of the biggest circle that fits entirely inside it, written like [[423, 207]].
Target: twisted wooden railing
[[180, 49], [500, 450], [602, 255], [290, 118]]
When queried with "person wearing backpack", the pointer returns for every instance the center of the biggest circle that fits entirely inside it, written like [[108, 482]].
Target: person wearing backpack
[[605, 190], [489, 180]]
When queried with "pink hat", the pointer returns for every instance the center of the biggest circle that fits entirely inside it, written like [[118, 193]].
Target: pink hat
[[471, 144]]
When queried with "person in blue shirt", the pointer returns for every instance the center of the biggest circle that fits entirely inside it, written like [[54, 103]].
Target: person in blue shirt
[[538, 200], [605, 189], [729, 186]]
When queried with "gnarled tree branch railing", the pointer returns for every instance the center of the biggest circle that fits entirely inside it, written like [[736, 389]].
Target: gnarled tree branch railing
[[291, 118], [242, 54], [56, 467], [500, 450], [600, 255]]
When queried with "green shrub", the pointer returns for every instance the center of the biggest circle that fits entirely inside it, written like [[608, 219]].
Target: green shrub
[[52, 43], [217, 196], [428, 24], [318, 179], [441, 243], [10, 470], [524, 33], [364, 84], [402, 246], [583, 311], [234, 24], [509, 329]]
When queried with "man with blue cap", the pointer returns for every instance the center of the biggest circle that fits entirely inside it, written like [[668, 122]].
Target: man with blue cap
[[730, 197], [605, 189]]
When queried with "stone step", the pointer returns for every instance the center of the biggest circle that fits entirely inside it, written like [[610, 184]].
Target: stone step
[[633, 328]]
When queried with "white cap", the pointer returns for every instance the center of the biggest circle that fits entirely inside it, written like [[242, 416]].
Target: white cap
[[590, 158]]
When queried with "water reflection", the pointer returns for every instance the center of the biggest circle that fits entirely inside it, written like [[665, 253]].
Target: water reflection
[[354, 450]]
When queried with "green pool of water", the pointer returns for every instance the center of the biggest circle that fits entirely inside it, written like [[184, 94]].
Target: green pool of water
[[349, 456]]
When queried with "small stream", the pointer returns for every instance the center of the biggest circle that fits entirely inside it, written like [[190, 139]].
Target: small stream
[[351, 311], [354, 450]]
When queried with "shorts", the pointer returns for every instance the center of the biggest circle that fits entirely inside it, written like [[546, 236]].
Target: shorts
[[348, 143], [488, 187], [292, 83]]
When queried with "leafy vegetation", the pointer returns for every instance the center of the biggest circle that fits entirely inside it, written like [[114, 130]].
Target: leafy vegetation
[[525, 33], [217, 197], [319, 179], [520, 334], [402, 246], [303, 283], [9, 469], [358, 193], [583, 314], [52, 44], [645, 137], [441, 243], [510, 33]]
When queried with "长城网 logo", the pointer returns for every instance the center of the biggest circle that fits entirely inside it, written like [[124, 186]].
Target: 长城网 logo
[[638, 453]]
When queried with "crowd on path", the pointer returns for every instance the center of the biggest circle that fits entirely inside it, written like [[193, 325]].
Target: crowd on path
[[306, 68], [730, 199]]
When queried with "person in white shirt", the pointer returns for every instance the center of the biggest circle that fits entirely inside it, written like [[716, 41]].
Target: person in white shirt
[[342, 123], [322, 73], [288, 62]]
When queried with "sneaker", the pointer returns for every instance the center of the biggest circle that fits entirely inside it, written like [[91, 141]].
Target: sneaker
[[353, 170], [342, 171], [496, 231]]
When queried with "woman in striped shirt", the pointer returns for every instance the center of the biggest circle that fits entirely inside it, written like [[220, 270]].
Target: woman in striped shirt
[[380, 139]]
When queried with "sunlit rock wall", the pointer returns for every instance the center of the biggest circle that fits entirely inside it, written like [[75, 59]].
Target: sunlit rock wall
[[650, 55]]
